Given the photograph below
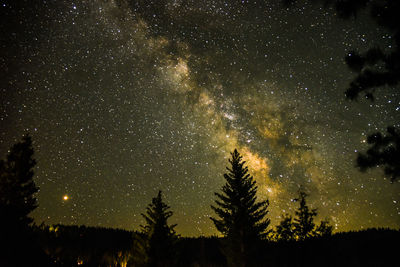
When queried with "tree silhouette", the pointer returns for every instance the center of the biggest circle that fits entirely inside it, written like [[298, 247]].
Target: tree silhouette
[[158, 238], [303, 222], [285, 229], [18, 241], [302, 226], [17, 187], [241, 219], [324, 229], [385, 151]]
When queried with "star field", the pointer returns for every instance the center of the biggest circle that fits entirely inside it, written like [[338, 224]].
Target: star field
[[123, 98]]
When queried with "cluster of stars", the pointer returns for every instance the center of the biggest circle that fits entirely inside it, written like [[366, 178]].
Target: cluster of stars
[[124, 98]]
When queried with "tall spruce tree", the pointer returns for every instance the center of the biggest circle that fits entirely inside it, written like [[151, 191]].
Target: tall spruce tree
[[241, 219], [159, 238]]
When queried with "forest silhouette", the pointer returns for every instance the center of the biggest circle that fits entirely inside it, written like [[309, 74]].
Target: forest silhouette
[[246, 236]]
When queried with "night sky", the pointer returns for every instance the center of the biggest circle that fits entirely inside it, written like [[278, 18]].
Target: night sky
[[123, 98]]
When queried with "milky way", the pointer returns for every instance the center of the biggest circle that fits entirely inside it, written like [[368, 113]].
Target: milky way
[[123, 98]]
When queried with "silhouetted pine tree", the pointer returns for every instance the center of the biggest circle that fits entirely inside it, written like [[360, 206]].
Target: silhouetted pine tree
[[324, 229], [304, 219], [18, 243], [241, 219], [285, 229], [158, 238], [302, 226], [17, 187]]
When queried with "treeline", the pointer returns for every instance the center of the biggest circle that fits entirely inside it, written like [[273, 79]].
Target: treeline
[[372, 247], [246, 236], [95, 246], [85, 246]]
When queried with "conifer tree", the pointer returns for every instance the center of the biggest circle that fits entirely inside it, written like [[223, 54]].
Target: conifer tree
[[18, 244], [302, 226], [158, 237], [304, 219], [241, 219], [17, 187], [285, 229], [324, 229]]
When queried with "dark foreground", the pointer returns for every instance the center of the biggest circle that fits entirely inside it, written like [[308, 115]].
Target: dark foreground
[[88, 246]]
